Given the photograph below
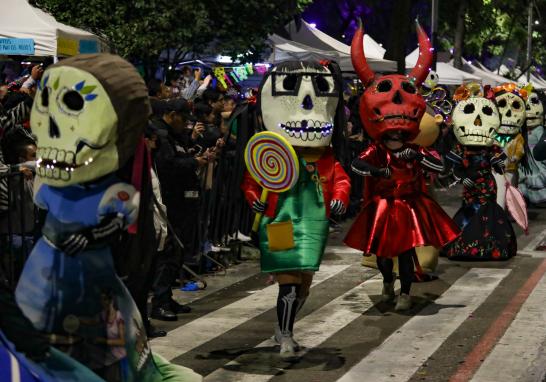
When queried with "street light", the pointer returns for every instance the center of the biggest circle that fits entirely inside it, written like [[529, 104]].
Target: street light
[[537, 22]]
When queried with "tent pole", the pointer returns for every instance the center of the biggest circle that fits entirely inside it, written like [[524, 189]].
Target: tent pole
[[434, 32], [529, 38]]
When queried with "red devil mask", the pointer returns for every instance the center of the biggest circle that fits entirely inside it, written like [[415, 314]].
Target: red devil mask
[[391, 104]]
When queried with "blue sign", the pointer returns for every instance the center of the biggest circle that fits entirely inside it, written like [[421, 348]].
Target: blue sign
[[89, 46], [23, 46]]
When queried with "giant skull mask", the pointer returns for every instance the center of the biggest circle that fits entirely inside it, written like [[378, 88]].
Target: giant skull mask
[[512, 111], [298, 101], [476, 121], [534, 110], [88, 114], [391, 104]]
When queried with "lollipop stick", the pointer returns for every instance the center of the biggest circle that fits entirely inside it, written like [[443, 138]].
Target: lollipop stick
[[258, 217]]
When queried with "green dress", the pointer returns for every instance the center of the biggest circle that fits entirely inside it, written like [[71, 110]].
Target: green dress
[[304, 206]]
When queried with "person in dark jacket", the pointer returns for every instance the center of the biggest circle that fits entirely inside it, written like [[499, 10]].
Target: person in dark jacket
[[177, 160]]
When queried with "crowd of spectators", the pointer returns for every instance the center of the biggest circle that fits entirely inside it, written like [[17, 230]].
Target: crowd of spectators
[[187, 135]]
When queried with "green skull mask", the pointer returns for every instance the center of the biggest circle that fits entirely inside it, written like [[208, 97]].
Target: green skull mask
[[87, 118]]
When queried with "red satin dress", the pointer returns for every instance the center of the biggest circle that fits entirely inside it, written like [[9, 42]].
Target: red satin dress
[[398, 214]]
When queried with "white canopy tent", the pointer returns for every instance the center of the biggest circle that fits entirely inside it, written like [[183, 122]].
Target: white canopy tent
[[494, 76], [487, 77], [25, 29], [537, 83], [447, 74], [314, 38], [284, 49], [534, 80]]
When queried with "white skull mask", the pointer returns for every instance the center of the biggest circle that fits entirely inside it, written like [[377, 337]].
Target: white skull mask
[[476, 121], [299, 102], [512, 111], [81, 137], [534, 110], [432, 80]]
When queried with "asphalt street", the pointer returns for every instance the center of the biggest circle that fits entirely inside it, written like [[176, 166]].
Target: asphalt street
[[479, 321]]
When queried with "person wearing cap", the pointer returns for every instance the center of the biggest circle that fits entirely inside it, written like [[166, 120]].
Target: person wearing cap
[[177, 161]]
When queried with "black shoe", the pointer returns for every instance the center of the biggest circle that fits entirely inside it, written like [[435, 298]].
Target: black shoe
[[179, 308], [153, 332], [163, 313]]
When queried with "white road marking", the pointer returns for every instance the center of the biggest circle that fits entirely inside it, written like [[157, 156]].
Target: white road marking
[[520, 354], [313, 329], [402, 353], [530, 248], [342, 249], [187, 337]]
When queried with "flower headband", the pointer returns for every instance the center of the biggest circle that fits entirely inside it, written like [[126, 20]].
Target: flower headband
[[472, 89], [513, 88]]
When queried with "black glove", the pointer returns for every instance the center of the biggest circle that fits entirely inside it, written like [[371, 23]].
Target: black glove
[[468, 182], [337, 207], [259, 207], [78, 242], [363, 168], [498, 164], [385, 172], [407, 154]]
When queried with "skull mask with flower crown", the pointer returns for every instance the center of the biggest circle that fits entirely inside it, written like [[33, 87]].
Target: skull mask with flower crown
[[391, 104], [511, 105], [88, 114], [476, 121]]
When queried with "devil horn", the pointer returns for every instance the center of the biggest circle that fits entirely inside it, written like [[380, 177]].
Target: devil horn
[[420, 72], [365, 73]]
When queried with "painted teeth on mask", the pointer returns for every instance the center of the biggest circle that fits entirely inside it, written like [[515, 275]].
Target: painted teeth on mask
[[308, 130], [61, 156], [56, 164]]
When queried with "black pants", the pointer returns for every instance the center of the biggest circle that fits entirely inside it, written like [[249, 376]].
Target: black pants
[[405, 269], [166, 269]]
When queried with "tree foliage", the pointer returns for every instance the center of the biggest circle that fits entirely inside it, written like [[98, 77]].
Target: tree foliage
[[495, 31], [142, 29]]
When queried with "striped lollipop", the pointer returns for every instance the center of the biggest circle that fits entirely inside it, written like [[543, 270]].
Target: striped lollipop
[[272, 163]]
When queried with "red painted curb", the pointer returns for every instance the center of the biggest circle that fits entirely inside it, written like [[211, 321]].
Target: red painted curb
[[475, 358]]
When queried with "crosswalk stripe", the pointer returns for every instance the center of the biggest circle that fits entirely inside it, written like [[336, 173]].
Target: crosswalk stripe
[[402, 353], [522, 344], [313, 329], [197, 332]]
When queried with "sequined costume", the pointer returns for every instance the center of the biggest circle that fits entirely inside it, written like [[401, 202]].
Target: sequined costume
[[399, 204]]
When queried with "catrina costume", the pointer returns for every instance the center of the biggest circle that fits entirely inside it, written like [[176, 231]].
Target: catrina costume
[[486, 231], [395, 197], [532, 184], [89, 114], [301, 101], [510, 102]]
